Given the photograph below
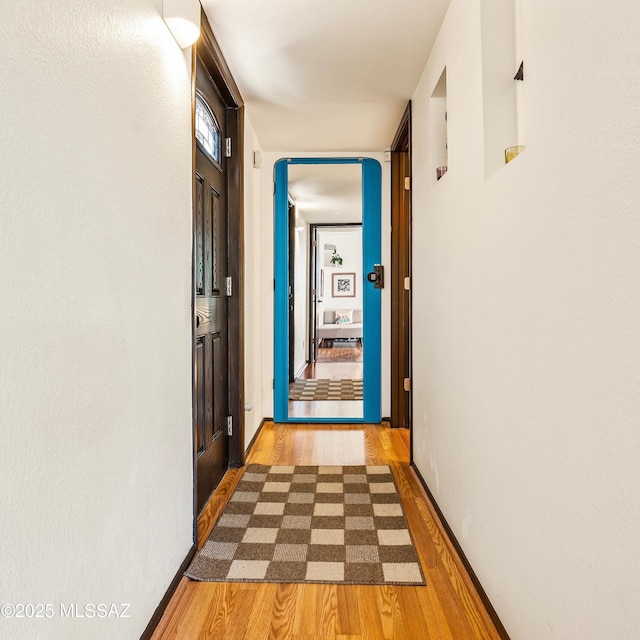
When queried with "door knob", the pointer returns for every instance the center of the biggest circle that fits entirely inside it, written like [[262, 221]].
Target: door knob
[[377, 276]]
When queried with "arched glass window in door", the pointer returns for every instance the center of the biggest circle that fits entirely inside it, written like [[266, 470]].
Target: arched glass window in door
[[208, 132]]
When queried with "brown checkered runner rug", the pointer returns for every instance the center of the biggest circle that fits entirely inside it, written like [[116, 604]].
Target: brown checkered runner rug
[[332, 524], [324, 389]]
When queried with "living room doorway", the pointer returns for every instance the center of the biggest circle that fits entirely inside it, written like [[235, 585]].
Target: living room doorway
[[327, 311], [328, 363]]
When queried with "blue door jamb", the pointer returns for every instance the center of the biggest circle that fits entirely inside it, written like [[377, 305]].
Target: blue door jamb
[[372, 300]]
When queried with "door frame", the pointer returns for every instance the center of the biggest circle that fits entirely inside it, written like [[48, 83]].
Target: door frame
[[314, 285], [291, 220], [372, 298], [401, 364], [211, 55]]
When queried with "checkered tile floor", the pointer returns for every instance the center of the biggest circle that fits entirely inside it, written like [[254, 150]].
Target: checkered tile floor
[[311, 524], [324, 389]]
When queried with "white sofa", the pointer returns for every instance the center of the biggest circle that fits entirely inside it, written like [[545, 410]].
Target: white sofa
[[327, 329]]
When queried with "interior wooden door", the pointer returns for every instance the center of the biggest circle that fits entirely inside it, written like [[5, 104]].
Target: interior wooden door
[[401, 274], [211, 375]]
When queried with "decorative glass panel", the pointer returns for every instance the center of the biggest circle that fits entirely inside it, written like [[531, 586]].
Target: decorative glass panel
[[207, 130]]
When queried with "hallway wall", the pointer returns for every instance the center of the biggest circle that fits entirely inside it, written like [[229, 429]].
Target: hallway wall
[[254, 223], [527, 386], [349, 246], [95, 327], [301, 294]]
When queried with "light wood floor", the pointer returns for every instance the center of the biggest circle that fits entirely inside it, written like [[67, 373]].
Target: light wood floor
[[333, 371], [334, 363], [340, 354], [326, 409], [448, 608]]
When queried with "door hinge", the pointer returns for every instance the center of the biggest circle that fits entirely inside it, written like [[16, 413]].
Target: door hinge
[[314, 243], [229, 285], [229, 425], [406, 384], [407, 184], [227, 147], [407, 284]]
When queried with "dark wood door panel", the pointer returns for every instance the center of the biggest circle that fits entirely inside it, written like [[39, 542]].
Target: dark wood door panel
[[208, 246], [208, 396], [218, 367], [218, 246], [210, 383], [199, 395], [199, 237], [210, 469], [212, 459]]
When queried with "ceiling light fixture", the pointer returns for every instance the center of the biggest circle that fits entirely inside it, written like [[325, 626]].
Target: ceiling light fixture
[[183, 19]]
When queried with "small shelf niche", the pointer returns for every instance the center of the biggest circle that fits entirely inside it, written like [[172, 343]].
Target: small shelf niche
[[502, 57], [439, 128]]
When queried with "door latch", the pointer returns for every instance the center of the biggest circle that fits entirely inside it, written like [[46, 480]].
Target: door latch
[[377, 276]]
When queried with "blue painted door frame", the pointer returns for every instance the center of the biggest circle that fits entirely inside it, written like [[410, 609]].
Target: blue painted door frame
[[372, 299]]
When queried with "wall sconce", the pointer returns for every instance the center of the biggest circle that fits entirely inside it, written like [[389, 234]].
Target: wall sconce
[[183, 19]]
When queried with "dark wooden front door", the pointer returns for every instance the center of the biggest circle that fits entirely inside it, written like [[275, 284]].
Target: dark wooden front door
[[211, 375]]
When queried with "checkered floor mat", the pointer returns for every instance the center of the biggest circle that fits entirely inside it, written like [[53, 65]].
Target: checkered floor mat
[[311, 524], [324, 389]]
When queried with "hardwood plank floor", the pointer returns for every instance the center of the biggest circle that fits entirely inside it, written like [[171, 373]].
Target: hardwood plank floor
[[326, 409], [448, 608], [334, 364], [340, 354], [333, 371]]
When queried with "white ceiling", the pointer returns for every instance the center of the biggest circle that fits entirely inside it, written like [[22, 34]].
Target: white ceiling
[[327, 193], [325, 75]]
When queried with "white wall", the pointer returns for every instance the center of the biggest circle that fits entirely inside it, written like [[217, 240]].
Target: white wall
[[526, 297], [349, 246], [254, 223], [95, 328], [265, 290], [301, 294]]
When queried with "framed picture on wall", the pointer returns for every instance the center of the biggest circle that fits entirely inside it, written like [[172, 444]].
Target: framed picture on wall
[[343, 285]]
